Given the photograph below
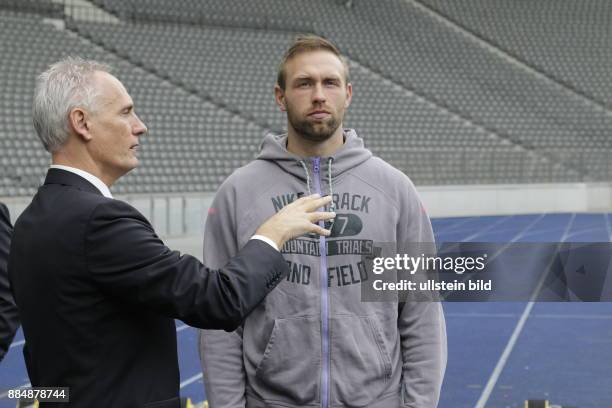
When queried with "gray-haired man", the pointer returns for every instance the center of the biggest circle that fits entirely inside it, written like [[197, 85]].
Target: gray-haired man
[[97, 290]]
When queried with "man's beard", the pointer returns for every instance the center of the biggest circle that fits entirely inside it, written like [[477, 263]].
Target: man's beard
[[313, 131]]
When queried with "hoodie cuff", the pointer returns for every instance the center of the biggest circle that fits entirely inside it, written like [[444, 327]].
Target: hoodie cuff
[[266, 240]]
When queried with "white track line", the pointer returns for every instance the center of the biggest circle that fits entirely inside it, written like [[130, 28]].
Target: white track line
[[502, 249], [486, 393], [182, 327], [487, 228], [518, 236], [584, 230], [454, 225], [531, 224], [17, 344], [191, 380], [474, 235]]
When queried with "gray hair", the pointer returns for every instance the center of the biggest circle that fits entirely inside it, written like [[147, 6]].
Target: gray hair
[[64, 86]]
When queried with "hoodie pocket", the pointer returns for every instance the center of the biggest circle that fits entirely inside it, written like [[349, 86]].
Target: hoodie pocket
[[290, 367], [360, 362]]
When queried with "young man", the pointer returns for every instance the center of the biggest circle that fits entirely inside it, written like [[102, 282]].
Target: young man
[[97, 290], [313, 342]]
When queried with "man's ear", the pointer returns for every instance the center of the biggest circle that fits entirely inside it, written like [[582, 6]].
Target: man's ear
[[279, 97], [78, 122], [349, 95]]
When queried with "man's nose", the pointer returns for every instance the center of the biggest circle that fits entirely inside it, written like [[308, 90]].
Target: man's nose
[[318, 95], [139, 128]]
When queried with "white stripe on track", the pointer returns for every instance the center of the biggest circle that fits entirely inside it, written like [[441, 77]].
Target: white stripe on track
[[17, 343], [486, 393], [191, 380], [182, 327]]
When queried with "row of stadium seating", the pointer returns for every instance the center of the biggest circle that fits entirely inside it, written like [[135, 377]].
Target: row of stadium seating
[[428, 53], [566, 39], [192, 143], [44, 7], [434, 104]]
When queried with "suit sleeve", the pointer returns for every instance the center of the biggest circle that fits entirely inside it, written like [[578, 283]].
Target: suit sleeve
[[9, 318], [127, 260], [221, 352], [421, 323]]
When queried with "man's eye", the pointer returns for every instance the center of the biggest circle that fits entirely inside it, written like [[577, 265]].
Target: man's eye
[[303, 84]]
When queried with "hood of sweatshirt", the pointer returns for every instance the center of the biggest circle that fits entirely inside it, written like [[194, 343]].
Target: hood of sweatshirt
[[350, 155]]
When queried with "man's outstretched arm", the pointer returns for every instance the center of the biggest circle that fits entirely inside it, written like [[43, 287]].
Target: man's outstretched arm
[[127, 260]]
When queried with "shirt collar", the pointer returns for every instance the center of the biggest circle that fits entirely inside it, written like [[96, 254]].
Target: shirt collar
[[87, 176]]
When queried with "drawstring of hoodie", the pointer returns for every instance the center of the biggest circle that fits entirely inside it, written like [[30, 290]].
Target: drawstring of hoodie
[[307, 176], [332, 205]]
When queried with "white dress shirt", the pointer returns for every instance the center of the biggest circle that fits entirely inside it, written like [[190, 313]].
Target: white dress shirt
[[87, 176]]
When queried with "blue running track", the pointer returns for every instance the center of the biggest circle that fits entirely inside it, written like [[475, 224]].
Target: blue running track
[[499, 353]]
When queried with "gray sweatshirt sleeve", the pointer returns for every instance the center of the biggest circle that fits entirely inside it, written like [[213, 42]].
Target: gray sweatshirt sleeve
[[421, 324], [220, 351]]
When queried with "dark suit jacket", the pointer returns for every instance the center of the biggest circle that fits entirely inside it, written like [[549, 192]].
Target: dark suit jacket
[[97, 293], [9, 319]]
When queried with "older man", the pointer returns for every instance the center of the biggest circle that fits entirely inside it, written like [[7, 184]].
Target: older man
[[96, 289]]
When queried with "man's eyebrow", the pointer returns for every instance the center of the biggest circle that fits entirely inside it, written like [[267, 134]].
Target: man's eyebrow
[[303, 77]]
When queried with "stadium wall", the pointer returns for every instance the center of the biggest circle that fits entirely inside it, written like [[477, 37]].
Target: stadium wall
[[454, 201]]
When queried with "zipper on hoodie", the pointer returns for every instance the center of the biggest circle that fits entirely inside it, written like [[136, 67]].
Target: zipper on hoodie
[[316, 169]]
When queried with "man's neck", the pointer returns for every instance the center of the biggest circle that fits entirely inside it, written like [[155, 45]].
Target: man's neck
[[85, 165], [302, 147]]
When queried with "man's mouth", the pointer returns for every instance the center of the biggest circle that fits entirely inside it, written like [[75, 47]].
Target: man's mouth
[[319, 114], [135, 147]]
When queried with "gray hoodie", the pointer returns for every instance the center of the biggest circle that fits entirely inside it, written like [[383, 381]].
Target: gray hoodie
[[318, 345]]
